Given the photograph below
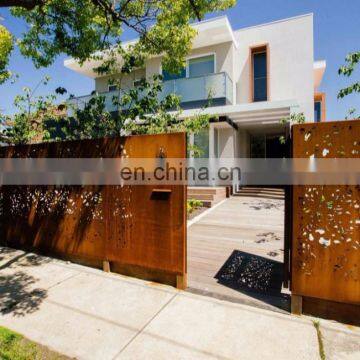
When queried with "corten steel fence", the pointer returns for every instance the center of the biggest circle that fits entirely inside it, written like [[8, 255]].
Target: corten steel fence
[[326, 227], [137, 230]]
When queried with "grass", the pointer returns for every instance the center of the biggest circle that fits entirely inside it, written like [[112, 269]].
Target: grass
[[14, 346], [320, 340]]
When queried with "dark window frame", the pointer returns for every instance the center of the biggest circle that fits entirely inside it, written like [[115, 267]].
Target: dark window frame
[[112, 87], [253, 51], [319, 114]]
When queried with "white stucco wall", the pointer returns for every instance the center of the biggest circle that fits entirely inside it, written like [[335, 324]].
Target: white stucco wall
[[224, 57], [243, 139], [291, 61], [227, 143], [127, 80]]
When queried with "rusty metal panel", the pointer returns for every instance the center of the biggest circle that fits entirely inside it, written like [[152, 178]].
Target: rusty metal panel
[[123, 224], [326, 227]]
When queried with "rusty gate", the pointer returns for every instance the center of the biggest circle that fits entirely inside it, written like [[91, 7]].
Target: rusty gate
[[325, 253], [134, 229]]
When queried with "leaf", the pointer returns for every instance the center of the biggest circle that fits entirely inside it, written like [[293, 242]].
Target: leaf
[[60, 90]]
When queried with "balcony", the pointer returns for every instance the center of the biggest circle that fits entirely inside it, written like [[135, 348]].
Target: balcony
[[215, 89]]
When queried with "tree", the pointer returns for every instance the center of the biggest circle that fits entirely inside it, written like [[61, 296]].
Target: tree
[[352, 60], [79, 28], [92, 29], [6, 46], [27, 124], [352, 115], [140, 112], [294, 118]]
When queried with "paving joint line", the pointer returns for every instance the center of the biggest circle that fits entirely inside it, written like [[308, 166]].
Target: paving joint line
[[62, 281], [145, 326]]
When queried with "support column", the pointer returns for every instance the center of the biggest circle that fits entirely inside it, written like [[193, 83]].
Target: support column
[[106, 266], [296, 304], [211, 141]]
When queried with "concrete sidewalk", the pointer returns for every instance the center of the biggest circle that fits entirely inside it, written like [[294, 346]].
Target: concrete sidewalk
[[87, 314]]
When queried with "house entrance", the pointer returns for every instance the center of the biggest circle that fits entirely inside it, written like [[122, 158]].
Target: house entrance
[[267, 146]]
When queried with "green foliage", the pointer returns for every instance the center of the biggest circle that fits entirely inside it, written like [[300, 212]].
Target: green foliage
[[91, 122], [21, 131], [294, 118], [352, 114], [192, 205], [26, 124], [6, 46], [92, 29], [351, 60], [79, 28], [139, 112]]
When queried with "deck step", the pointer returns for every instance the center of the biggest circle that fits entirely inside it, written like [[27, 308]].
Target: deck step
[[201, 196], [263, 196], [256, 189], [204, 190], [208, 195], [262, 192]]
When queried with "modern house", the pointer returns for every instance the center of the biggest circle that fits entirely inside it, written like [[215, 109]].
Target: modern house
[[255, 76]]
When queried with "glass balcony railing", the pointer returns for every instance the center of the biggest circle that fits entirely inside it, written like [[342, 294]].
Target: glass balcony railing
[[214, 89]]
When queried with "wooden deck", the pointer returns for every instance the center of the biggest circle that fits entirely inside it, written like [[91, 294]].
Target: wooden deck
[[235, 252]]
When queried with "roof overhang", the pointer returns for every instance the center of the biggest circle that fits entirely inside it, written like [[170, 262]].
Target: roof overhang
[[259, 113], [212, 32], [319, 70], [209, 32]]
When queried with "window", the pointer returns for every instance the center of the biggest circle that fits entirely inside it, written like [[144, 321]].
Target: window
[[169, 76], [259, 72], [113, 87], [201, 66], [201, 141], [319, 106], [137, 82], [258, 146], [317, 111], [194, 67]]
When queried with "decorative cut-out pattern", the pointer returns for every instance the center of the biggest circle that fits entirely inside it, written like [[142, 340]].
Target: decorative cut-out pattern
[[329, 141], [327, 218], [326, 227], [59, 201], [125, 225]]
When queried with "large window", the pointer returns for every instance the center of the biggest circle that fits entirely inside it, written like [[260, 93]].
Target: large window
[[259, 71], [194, 67], [201, 66]]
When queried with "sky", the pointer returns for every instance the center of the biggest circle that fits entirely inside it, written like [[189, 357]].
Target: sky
[[336, 33]]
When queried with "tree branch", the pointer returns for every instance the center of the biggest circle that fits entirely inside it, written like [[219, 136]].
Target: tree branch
[[196, 11], [27, 4]]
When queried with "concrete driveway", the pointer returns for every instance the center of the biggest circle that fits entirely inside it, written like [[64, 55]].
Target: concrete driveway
[[87, 314]]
